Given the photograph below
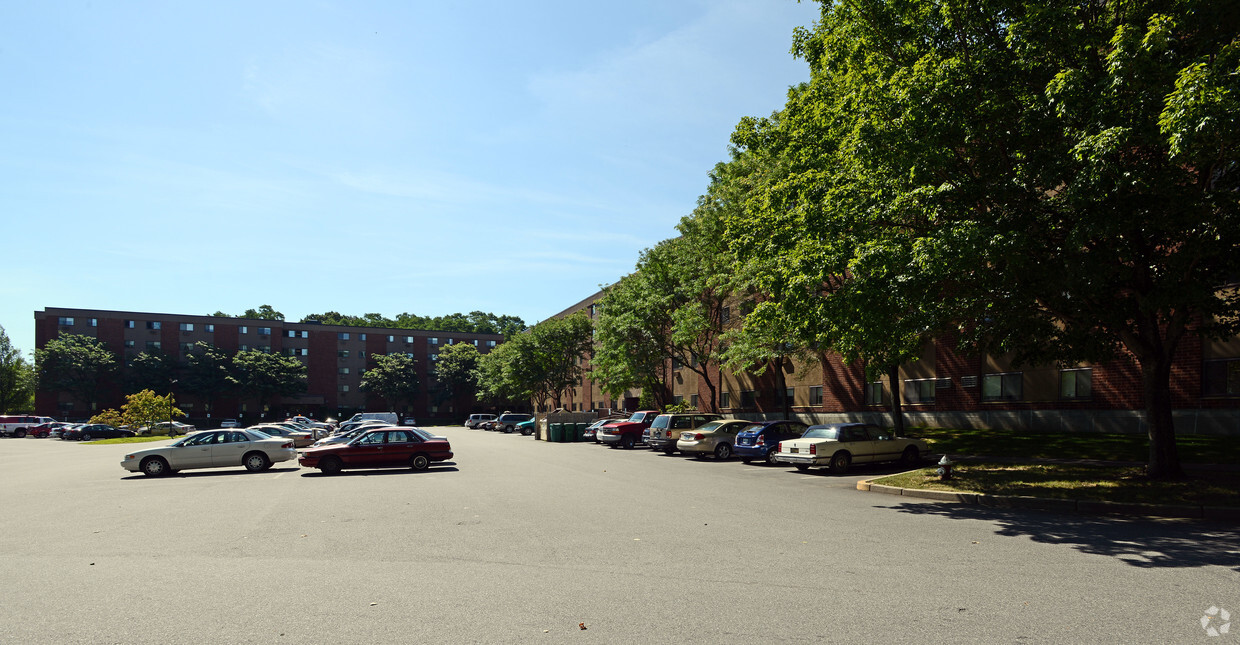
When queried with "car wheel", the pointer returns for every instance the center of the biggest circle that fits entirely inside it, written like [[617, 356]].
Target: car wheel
[[525, 432], [770, 457], [154, 467], [20, 433], [256, 462], [419, 462], [723, 451], [746, 461], [910, 458], [840, 462], [507, 429], [86, 436], [803, 468], [330, 466], [628, 441]]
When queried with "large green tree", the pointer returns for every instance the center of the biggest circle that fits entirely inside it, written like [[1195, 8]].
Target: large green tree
[[394, 378], [496, 378], [1058, 182], [208, 374], [557, 346], [455, 369], [152, 370], [266, 376], [76, 364], [17, 378]]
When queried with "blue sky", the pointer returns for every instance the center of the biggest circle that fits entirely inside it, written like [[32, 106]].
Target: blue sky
[[428, 157]]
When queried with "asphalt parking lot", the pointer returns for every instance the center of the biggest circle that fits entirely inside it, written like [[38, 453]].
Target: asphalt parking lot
[[519, 541]]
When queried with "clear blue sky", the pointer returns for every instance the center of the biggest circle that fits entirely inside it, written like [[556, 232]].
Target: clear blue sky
[[428, 157]]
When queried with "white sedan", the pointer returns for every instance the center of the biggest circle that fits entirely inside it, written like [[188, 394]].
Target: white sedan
[[839, 445], [253, 449]]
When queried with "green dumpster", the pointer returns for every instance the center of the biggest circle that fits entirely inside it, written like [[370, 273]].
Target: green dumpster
[[581, 432], [556, 432]]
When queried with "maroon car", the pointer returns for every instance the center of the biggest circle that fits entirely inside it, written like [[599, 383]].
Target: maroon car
[[626, 433], [388, 447]]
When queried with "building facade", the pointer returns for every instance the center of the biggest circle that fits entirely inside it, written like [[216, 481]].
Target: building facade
[[335, 357]]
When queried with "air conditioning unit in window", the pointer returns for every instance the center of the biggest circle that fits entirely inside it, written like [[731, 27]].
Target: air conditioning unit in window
[[968, 381], [942, 384]]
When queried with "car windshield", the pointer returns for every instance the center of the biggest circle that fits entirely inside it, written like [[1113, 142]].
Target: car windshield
[[822, 432], [637, 417], [661, 421]]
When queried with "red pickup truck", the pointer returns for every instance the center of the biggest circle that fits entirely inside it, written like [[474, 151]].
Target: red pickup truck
[[627, 433]]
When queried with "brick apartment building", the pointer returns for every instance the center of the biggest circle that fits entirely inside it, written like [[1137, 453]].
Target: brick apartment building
[[945, 388], [335, 357]]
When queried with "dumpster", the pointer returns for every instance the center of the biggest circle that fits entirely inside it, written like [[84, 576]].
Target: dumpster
[[581, 432], [555, 432]]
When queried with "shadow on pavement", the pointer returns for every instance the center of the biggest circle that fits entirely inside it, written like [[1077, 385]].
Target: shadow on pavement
[[439, 467]]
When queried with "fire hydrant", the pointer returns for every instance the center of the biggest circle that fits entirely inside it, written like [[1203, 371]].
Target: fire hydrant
[[945, 468]]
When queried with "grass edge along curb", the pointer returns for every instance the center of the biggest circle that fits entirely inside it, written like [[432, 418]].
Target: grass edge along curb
[[1091, 507]]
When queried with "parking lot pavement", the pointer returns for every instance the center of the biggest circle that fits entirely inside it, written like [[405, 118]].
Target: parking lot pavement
[[521, 541]]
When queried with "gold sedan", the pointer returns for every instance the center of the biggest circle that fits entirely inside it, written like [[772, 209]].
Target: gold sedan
[[715, 438]]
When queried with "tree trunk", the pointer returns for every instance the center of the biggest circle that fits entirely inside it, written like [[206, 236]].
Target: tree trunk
[[897, 413], [1164, 456]]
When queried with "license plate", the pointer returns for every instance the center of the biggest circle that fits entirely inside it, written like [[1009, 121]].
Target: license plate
[[794, 450]]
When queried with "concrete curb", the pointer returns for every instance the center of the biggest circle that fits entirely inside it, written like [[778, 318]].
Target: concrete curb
[[1088, 507]]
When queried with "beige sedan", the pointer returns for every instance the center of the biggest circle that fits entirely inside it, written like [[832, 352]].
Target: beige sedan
[[715, 438]]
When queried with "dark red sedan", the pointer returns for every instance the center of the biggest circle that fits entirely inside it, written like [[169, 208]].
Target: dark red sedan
[[379, 448]]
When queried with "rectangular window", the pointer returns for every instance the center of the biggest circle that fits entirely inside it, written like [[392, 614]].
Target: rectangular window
[[342, 335], [342, 353], [391, 339], [789, 395], [343, 370], [1221, 377], [1075, 384], [748, 400], [675, 363], [290, 333], [186, 326], [66, 322], [209, 328], [361, 353], [874, 393], [153, 324], [407, 354], [128, 324], [187, 348], [693, 400], [433, 357], [1002, 387], [129, 343], [408, 339], [92, 322], [243, 348], [245, 329], [815, 395], [678, 399], [266, 349], [344, 388], [305, 334], [153, 346], [475, 342], [432, 340], [449, 341], [726, 316], [725, 400], [264, 331], [491, 344], [919, 391]]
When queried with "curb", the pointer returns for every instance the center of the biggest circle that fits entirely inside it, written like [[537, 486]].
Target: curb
[[1089, 507]]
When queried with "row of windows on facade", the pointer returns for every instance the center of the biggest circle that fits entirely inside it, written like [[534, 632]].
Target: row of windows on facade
[[155, 345], [262, 331]]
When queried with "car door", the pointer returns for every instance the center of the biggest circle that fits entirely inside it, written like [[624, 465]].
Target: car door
[[194, 452], [229, 448], [366, 451], [400, 446], [855, 440], [884, 446]]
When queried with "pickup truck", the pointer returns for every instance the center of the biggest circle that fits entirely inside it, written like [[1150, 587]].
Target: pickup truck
[[626, 433]]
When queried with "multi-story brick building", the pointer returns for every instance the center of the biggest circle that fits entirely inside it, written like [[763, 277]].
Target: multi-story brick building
[[335, 357]]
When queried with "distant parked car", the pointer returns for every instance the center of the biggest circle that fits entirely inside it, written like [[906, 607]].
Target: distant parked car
[[527, 427], [93, 431], [229, 423], [19, 425], [626, 433], [839, 445], [508, 422], [476, 420], [46, 429], [299, 438], [715, 438], [253, 449], [591, 432], [760, 440], [665, 430], [383, 448], [163, 427]]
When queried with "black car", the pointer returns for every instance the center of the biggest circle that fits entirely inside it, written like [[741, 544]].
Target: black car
[[94, 431]]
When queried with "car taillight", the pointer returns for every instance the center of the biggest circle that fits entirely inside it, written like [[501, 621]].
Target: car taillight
[[697, 436], [780, 447], [287, 445], [813, 449], [760, 441]]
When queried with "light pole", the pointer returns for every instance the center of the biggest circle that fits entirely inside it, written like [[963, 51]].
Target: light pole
[[171, 429]]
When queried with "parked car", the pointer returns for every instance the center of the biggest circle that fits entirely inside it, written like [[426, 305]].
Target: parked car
[[46, 429], [299, 438], [163, 427], [476, 420], [591, 432], [715, 438], [389, 417], [627, 433], [839, 445], [382, 448], [58, 432], [254, 449], [229, 423], [527, 427], [92, 431], [18, 425], [760, 440], [508, 421], [665, 430]]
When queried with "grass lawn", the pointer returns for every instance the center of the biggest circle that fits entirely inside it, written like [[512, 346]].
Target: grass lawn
[[130, 440], [1194, 449], [1065, 481]]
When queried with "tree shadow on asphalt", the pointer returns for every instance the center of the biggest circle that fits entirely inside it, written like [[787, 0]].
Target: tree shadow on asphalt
[[1139, 542]]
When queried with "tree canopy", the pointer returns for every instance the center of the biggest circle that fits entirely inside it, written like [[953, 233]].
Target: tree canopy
[[76, 364], [394, 378], [17, 378], [475, 322], [266, 376]]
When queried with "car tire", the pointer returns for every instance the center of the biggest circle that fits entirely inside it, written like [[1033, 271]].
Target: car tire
[[419, 462], [840, 462], [770, 457], [256, 462], [508, 429], [628, 442], [803, 468], [155, 467], [525, 432], [910, 458], [85, 436], [723, 451], [330, 466], [20, 433]]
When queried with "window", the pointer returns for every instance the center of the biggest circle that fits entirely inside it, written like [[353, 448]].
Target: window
[[264, 331], [675, 363], [1075, 384], [362, 336], [919, 391], [266, 349], [491, 344], [92, 322], [152, 346], [129, 343], [243, 348], [186, 348], [725, 400], [343, 370], [154, 324], [788, 395], [245, 329], [344, 388], [128, 324], [67, 322], [407, 354], [289, 333], [391, 339], [186, 326], [1002, 387], [475, 342], [305, 334], [433, 357], [747, 399], [342, 353], [209, 328], [449, 341], [693, 400], [874, 393], [408, 339], [1221, 377], [815, 395], [342, 335], [432, 340], [678, 399], [361, 354]]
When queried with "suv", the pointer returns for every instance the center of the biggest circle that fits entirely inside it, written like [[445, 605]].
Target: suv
[[476, 420], [508, 422], [626, 433], [666, 428]]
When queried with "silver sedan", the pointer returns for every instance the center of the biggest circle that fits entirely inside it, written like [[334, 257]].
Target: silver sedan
[[254, 449]]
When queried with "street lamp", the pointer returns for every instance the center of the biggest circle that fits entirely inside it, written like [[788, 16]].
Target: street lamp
[[171, 428]]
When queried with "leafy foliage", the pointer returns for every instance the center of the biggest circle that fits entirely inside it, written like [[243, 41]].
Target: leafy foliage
[[455, 368], [539, 365], [76, 364], [266, 376], [208, 373], [265, 312], [476, 322], [144, 409], [394, 378], [150, 371], [17, 378]]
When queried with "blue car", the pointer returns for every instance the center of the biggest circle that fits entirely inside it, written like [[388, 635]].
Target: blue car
[[759, 441]]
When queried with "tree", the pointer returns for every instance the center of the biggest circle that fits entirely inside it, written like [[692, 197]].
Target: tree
[[265, 312], [554, 350], [455, 368], [266, 376], [75, 364], [208, 374], [1058, 183], [17, 378], [630, 342], [496, 380], [150, 371], [144, 409], [394, 378], [109, 417]]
